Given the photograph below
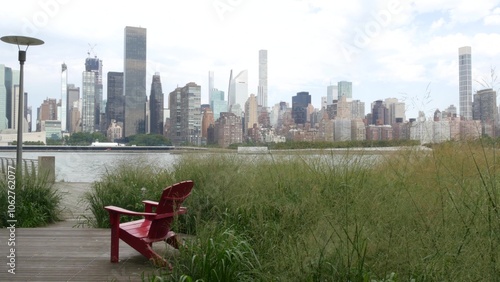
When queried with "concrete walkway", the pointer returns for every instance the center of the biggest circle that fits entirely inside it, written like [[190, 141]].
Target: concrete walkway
[[73, 206]]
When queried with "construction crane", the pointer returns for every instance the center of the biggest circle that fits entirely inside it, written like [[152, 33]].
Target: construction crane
[[91, 50]]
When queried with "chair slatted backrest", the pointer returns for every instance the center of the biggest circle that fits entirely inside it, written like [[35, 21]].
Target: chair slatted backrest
[[171, 200]]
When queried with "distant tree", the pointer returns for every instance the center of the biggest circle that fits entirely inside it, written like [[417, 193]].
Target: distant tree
[[32, 143], [148, 140], [85, 138], [51, 141]]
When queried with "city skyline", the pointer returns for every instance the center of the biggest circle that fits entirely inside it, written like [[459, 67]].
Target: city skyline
[[410, 53]]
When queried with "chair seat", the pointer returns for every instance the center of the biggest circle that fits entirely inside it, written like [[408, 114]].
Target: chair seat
[[140, 229]]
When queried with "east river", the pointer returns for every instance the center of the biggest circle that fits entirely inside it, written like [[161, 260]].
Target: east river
[[89, 166]]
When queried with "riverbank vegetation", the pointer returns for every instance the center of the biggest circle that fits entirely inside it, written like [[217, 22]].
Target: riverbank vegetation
[[32, 203], [414, 215]]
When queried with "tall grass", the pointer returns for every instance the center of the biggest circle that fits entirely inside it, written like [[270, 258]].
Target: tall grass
[[410, 216], [37, 203], [124, 186]]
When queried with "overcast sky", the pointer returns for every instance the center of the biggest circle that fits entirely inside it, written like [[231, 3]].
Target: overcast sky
[[388, 48]]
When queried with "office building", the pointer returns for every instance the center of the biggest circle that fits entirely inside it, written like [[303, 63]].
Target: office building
[[218, 104], [300, 104], [344, 89], [88, 101], [185, 114], [94, 65], [251, 113], [332, 93], [485, 109], [238, 94], [73, 97], [5, 97], [156, 106], [210, 86], [134, 81]]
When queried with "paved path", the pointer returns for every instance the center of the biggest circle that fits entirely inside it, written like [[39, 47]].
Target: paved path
[[73, 206]]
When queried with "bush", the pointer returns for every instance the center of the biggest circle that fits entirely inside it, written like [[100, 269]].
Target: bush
[[37, 203]]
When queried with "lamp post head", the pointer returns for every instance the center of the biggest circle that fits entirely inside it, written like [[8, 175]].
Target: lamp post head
[[24, 41], [21, 40]]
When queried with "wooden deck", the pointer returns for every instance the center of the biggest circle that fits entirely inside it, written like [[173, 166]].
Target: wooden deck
[[63, 253]]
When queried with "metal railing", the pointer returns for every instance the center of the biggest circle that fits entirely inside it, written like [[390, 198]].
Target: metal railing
[[30, 167]]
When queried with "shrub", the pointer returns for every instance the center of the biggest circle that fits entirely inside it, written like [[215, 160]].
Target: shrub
[[37, 203]]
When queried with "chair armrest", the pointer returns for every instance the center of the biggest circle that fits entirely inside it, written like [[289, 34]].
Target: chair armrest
[[182, 210], [118, 210], [149, 205], [149, 202]]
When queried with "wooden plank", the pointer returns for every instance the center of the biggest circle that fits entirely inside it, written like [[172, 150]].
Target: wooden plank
[[71, 254]]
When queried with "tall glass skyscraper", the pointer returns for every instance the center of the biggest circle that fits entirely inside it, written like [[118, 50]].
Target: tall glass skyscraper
[[300, 102], [134, 80], [465, 82], [332, 93], [156, 106], [345, 89], [210, 87], [63, 114], [94, 65], [115, 104], [88, 101], [262, 91], [238, 93]]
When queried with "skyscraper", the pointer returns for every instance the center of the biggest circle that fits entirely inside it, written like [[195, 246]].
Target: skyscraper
[[218, 104], [134, 80], [251, 113], [332, 93], [9, 97], [485, 109], [72, 108], [115, 104], [345, 89], [94, 65], [63, 114], [156, 106], [262, 91], [185, 115], [88, 101], [4, 117], [300, 102], [238, 93], [210, 86], [465, 82]]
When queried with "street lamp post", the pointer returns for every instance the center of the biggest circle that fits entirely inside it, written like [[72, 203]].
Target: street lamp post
[[21, 41]]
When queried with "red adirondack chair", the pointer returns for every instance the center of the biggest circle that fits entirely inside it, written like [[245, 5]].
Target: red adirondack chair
[[155, 227]]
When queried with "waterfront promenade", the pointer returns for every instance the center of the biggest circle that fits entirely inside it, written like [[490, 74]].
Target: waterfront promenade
[[65, 252]]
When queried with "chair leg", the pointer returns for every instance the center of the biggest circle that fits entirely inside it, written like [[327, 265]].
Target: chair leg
[[115, 237], [155, 258], [174, 240]]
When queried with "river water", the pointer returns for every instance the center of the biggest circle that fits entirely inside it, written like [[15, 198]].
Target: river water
[[89, 166]]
